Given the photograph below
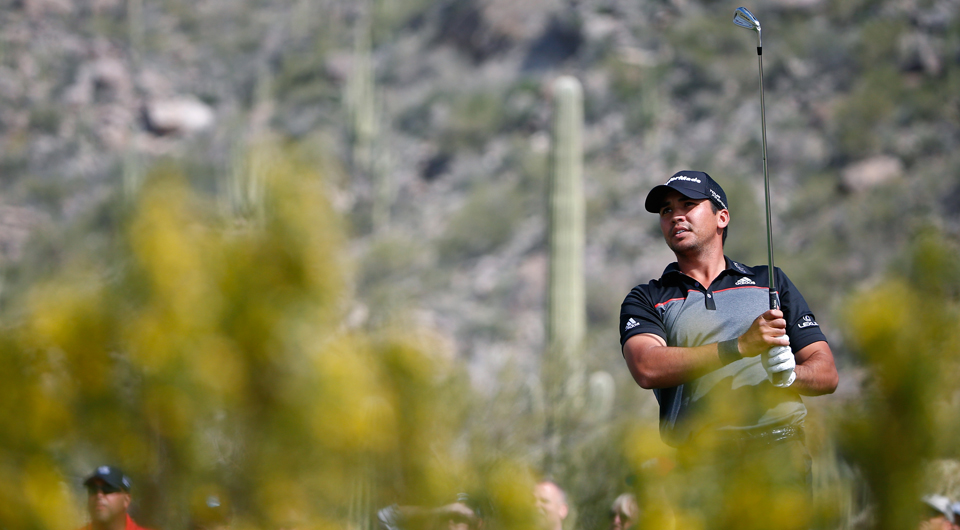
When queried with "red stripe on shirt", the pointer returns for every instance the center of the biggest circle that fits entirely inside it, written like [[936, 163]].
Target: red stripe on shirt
[[720, 291]]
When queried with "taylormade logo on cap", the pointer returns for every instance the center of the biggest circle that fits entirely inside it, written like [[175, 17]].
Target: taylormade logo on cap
[[683, 177]]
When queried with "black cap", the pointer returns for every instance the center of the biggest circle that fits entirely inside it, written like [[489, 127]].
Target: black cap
[[111, 475], [693, 184]]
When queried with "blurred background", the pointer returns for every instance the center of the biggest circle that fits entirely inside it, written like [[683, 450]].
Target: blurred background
[[298, 251]]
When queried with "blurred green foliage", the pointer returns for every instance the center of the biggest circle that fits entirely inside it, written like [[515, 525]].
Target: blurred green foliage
[[871, 104], [213, 350], [474, 118], [907, 332], [878, 41]]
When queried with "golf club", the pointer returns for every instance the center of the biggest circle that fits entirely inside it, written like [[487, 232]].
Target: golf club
[[744, 18]]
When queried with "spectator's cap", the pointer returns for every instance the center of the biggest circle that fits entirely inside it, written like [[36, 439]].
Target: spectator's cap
[[693, 184], [942, 505], [110, 475]]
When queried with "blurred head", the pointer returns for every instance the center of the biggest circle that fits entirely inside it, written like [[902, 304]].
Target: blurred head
[[108, 496], [940, 514], [551, 505], [624, 512]]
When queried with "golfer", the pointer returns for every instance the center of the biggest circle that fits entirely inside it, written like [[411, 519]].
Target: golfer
[[700, 337]]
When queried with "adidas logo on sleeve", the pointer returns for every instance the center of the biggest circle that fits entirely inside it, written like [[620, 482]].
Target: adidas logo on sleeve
[[632, 323]]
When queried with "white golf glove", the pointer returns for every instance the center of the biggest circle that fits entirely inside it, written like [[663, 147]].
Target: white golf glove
[[780, 364]]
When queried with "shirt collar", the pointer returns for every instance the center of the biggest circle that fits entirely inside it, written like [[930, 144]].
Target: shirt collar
[[738, 268], [732, 266]]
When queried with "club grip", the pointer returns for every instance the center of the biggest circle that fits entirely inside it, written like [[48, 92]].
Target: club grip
[[780, 377], [774, 300]]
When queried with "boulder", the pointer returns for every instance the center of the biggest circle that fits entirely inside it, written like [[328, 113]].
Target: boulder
[[176, 116], [871, 173]]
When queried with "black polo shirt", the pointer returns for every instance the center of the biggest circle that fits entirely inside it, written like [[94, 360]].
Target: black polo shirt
[[738, 396]]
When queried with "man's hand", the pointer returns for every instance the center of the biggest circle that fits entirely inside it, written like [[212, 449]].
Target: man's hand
[[458, 509], [780, 366], [767, 331]]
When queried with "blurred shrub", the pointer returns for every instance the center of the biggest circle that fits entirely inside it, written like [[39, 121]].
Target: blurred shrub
[[45, 119], [906, 331], [878, 42], [636, 90], [487, 220], [871, 104], [474, 118], [389, 16], [301, 79], [212, 351], [391, 256], [522, 104]]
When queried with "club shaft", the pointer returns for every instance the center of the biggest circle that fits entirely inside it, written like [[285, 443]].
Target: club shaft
[[774, 299]]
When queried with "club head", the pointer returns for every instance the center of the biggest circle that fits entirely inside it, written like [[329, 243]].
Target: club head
[[745, 19]]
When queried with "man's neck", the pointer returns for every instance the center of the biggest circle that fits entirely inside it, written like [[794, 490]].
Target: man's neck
[[117, 523], [703, 267]]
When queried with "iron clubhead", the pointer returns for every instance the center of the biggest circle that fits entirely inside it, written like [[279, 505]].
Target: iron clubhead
[[745, 19]]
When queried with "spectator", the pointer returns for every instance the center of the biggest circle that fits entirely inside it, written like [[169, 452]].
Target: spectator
[[624, 513], [551, 505], [941, 514], [108, 498]]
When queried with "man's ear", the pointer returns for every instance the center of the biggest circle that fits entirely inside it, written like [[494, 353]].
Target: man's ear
[[126, 501], [723, 218], [563, 511]]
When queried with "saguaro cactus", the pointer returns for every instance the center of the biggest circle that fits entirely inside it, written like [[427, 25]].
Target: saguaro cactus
[[562, 372], [365, 109], [566, 319]]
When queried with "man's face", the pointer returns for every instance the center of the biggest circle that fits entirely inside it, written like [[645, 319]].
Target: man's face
[[938, 523], [621, 518], [689, 225], [550, 505], [105, 503], [621, 521]]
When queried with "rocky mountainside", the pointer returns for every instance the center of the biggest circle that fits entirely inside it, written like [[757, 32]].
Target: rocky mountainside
[[431, 119]]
